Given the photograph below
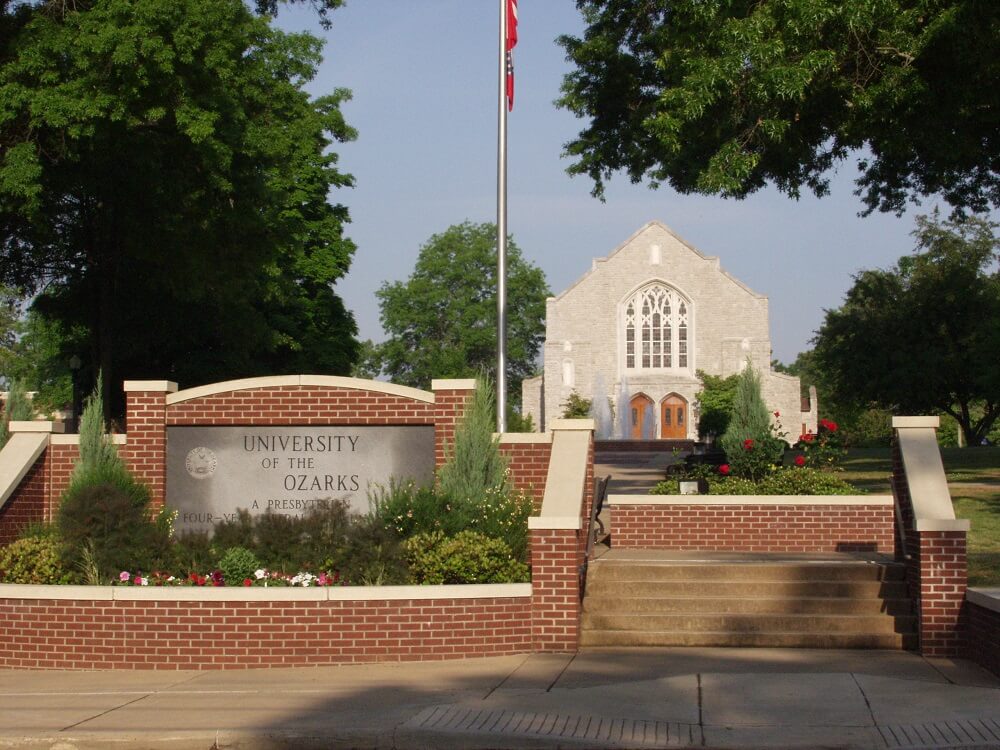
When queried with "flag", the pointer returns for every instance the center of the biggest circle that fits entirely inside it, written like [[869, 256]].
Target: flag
[[510, 42]]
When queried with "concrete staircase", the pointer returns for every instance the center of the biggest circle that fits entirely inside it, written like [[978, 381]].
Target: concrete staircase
[[667, 600]]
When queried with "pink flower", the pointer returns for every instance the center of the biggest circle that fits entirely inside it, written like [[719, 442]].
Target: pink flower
[[800, 460], [724, 469], [748, 444], [124, 576]]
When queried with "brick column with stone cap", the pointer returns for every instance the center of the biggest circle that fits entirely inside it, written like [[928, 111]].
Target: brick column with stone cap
[[450, 400], [145, 452], [558, 534], [937, 573]]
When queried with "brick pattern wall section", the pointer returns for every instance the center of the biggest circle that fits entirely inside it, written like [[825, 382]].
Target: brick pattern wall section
[[300, 405], [983, 635], [71, 634], [754, 528], [943, 581], [529, 465], [64, 458], [555, 589], [146, 450], [28, 504], [449, 406]]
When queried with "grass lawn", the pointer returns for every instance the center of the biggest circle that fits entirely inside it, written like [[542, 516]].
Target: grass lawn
[[974, 480]]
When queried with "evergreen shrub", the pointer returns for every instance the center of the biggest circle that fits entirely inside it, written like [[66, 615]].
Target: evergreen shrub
[[751, 448], [238, 565]]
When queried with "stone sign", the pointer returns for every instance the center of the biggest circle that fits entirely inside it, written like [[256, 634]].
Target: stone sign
[[214, 471]]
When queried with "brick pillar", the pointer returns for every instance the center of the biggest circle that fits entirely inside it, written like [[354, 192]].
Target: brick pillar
[[935, 547], [450, 399], [943, 580], [145, 451], [555, 586]]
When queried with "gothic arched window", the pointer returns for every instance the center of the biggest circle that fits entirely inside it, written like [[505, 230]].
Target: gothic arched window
[[656, 329]]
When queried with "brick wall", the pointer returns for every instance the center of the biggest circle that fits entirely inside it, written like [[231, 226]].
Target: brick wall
[[111, 634], [754, 528], [983, 636], [555, 589], [29, 503], [146, 450], [943, 580], [529, 464]]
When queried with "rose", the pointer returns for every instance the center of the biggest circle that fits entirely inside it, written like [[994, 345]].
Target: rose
[[724, 469], [828, 425], [247, 582], [748, 444], [807, 437], [124, 576], [777, 414], [800, 460]]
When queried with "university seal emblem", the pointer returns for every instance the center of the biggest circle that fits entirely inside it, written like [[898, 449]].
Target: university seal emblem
[[200, 462]]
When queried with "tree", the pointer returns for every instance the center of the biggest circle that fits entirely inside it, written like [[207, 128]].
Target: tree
[[163, 182], [725, 97], [442, 322], [715, 401], [923, 336]]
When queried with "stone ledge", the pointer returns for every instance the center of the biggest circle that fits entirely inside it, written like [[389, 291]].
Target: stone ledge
[[269, 594], [322, 381], [752, 500], [550, 523], [987, 598], [943, 524]]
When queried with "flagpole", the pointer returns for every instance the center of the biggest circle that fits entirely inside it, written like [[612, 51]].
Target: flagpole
[[502, 224]]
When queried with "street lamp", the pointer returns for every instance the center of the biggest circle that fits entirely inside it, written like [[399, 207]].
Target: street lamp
[[75, 363]]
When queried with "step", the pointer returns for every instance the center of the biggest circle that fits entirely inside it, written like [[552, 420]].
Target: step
[[615, 588], [746, 605], [663, 571], [754, 623], [627, 638]]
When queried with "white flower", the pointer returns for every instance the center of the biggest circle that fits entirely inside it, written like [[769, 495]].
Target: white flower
[[260, 573]]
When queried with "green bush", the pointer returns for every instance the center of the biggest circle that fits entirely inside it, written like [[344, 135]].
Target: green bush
[[17, 408], [783, 481], [372, 555], [467, 557], [410, 509], [238, 565], [504, 516], [34, 559], [805, 481], [108, 527]]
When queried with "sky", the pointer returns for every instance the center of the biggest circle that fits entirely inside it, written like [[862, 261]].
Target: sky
[[423, 74]]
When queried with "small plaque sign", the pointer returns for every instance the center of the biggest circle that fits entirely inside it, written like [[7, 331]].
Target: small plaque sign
[[214, 471]]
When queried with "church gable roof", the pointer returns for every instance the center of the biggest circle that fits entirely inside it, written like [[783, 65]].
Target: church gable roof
[[655, 224]]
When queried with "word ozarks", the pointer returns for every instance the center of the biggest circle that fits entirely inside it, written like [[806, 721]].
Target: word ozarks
[[212, 472]]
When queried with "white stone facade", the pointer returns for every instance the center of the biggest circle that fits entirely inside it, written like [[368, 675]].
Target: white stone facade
[[647, 317]]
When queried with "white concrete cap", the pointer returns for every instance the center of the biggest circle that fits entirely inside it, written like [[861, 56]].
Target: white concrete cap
[[554, 522], [454, 384], [750, 500], [508, 438], [567, 475], [916, 422], [152, 386], [572, 424], [925, 475], [943, 524], [988, 598], [17, 458], [36, 426]]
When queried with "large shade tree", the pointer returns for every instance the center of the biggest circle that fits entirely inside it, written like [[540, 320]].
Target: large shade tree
[[442, 321], [924, 335], [163, 182], [726, 96]]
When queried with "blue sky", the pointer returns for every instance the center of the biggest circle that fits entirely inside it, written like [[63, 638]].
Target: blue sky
[[423, 76]]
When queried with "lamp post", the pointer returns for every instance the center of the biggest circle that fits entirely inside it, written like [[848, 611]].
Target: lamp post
[[75, 363]]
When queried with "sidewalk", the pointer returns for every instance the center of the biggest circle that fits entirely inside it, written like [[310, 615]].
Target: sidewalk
[[716, 698]]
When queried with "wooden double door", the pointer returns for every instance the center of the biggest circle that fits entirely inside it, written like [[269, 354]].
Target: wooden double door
[[673, 416]]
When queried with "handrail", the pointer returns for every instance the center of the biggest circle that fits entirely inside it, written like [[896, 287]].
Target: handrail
[[600, 493]]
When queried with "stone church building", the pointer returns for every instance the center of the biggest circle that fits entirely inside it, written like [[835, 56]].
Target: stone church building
[[647, 318]]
